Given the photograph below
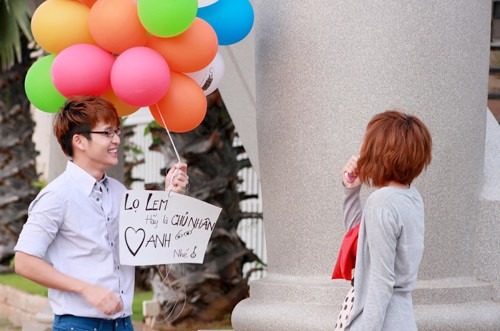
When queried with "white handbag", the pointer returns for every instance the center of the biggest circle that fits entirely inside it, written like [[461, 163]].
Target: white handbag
[[345, 311]]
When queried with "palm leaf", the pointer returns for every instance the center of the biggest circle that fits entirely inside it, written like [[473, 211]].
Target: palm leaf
[[14, 18]]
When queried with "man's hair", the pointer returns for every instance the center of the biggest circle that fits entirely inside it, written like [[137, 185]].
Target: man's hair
[[396, 147], [79, 115]]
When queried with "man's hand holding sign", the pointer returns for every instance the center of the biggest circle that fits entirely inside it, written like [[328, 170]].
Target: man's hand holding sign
[[177, 179]]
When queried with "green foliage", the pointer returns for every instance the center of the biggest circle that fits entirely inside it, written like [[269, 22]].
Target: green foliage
[[153, 125], [23, 284], [14, 18], [39, 184]]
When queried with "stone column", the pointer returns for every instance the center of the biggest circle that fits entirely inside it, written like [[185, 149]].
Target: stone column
[[323, 69], [50, 161]]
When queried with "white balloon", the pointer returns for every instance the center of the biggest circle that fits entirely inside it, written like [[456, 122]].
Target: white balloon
[[209, 77], [205, 3]]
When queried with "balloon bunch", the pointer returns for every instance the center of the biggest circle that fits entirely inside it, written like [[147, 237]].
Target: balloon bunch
[[161, 54]]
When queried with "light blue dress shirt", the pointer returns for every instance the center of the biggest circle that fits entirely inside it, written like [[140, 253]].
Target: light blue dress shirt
[[73, 225]]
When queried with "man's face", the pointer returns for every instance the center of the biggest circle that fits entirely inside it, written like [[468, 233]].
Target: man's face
[[102, 150]]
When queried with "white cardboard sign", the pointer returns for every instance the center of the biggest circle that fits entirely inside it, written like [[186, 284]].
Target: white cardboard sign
[[158, 227]]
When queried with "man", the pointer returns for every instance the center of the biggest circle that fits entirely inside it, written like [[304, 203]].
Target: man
[[70, 240]]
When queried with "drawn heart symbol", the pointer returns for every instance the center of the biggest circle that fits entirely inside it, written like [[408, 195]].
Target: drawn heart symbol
[[134, 239]]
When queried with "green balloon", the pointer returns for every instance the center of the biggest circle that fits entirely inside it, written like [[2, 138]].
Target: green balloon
[[39, 87], [167, 18]]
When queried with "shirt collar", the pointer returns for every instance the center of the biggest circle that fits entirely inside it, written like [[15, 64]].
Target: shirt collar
[[83, 179], [104, 183]]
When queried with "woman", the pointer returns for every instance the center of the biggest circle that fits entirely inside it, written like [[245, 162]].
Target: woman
[[395, 150]]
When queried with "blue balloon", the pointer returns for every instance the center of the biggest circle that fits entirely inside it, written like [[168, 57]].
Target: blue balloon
[[232, 20]]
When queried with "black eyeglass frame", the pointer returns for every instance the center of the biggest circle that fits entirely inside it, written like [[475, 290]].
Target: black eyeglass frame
[[107, 133]]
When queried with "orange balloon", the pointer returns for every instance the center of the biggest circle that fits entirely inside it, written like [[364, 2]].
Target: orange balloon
[[115, 25], [190, 51], [57, 24], [121, 107], [88, 3], [184, 106]]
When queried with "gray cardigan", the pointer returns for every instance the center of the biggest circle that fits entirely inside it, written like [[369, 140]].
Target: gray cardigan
[[390, 247]]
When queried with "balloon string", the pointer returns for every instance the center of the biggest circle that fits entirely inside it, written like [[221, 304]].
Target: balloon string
[[168, 132], [166, 282], [175, 149]]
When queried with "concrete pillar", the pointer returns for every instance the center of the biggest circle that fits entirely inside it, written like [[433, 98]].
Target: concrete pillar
[[238, 92], [323, 69], [51, 160]]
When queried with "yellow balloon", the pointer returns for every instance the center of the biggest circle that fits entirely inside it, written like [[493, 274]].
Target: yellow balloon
[[57, 24]]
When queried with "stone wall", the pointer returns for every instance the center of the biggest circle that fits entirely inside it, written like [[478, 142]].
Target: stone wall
[[23, 309]]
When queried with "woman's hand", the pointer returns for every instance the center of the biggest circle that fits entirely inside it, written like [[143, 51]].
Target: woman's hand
[[348, 173], [177, 179]]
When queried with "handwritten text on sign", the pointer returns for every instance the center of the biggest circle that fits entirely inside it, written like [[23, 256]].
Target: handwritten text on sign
[[161, 228]]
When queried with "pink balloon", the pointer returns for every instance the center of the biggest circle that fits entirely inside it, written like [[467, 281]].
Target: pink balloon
[[82, 69], [140, 76]]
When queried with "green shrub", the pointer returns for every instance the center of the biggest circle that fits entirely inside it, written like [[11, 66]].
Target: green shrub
[[23, 284]]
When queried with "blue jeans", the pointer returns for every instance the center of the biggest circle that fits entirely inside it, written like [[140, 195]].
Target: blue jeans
[[75, 323]]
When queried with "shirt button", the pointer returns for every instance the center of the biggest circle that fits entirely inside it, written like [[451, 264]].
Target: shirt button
[[122, 292], [118, 267], [97, 199], [111, 244]]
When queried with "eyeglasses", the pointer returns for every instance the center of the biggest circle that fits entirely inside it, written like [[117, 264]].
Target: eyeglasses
[[107, 133]]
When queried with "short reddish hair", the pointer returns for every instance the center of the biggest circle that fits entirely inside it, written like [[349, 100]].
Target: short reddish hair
[[79, 115], [396, 147]]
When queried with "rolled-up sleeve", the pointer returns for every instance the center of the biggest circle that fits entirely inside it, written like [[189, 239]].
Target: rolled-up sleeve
[[45, 215]]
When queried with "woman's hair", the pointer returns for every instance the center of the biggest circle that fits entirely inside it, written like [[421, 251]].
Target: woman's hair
[[79, 115], [396, 147]]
